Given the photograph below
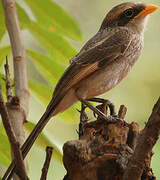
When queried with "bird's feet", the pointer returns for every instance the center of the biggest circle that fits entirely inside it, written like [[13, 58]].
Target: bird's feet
[[101, 110], [103, 107]]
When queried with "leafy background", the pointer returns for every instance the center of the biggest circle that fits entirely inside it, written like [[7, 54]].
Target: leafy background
[[52, 34]]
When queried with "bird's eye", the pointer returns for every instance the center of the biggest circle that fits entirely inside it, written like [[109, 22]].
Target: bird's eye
[[129, 13]]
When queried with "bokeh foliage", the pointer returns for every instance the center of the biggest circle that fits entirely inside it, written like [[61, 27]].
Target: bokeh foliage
[[52, 27]]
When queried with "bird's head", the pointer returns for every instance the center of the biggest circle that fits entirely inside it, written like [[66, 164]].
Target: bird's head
[[130, 14]]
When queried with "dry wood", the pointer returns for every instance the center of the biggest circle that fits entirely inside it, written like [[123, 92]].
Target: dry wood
[[112, 150], [46, 163], [141, 158]]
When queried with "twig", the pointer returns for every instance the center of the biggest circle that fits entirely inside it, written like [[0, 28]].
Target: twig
[[9, 86], [145, 143], [83, 120], [15, 145], [46, 163], [122, 112]]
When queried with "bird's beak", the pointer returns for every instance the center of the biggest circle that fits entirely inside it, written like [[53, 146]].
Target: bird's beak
[[149, 8]]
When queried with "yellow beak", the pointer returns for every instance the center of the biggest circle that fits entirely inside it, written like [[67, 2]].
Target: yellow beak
[[149, 8]]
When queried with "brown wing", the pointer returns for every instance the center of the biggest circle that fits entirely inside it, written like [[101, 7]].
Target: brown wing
[[88, 60]]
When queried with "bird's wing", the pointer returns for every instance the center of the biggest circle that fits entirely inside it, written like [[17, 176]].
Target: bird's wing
[[91, 59]]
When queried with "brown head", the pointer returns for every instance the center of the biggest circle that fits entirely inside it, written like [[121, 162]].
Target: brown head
[[129, 14]]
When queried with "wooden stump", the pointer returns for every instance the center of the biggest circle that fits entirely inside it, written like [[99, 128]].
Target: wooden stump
[[103, 150]]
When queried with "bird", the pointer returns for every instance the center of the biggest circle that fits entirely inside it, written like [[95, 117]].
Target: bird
[[102, 63]]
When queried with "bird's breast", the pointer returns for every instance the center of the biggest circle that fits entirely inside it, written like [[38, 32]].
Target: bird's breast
[[134, 50], [111, 74]]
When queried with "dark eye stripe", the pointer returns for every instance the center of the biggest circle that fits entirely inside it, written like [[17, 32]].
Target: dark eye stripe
[[123, 19]]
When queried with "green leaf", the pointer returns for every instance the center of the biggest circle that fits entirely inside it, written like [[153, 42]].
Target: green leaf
[[2, 32], [42, 92], [50, 69], [2, 130], [4, 51], [56, 45], [5, 157], [54, 18], [2, 83], [2, 22], [23, 17], [45, 140]]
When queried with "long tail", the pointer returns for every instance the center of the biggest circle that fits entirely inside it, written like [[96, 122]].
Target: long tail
[[31, 139], [58, 104]]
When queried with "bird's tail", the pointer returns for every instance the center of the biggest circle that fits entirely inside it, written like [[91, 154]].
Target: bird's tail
[[56, 105], [36, 131]]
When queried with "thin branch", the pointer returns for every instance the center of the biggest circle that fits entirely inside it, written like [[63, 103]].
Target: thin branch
[[122, 112], [9, 86], [46, 163], [12, 139], [145, 143], [17, 114], [83, 120], [19, 55]]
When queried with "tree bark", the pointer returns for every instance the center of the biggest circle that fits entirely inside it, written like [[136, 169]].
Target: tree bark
[[18, 109], [112, 151]]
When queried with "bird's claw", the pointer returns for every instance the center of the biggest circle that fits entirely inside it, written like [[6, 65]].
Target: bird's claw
[[113, 119]]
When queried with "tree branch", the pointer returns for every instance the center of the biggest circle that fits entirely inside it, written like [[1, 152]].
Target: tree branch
[[12, 139], [122, 112], [19, 55], [18, 108], [9, 86], [145, 143], [46, 163]]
